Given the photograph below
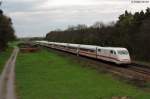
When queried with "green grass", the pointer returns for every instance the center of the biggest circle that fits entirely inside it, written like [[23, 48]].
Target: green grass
[[46, 75], [4, 57], [13, 43]]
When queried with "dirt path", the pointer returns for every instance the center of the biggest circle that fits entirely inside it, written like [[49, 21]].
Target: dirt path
[[7, 78]]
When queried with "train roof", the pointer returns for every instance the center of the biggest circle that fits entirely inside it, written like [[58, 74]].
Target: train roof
[[113, 48], [91, 47]]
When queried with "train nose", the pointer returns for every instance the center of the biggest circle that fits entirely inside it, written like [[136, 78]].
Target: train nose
[[125, 60]]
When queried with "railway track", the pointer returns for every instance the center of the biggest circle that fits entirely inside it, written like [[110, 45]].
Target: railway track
[[141, 69]]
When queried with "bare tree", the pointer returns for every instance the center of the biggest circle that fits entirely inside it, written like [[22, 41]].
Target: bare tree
[[98, 25]]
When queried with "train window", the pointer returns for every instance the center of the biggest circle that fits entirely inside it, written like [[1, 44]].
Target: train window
[[114, 53], [111, 52], [99, 50], [123, 52]]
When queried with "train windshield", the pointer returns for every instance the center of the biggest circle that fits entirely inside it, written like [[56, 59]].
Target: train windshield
[[123, 52]]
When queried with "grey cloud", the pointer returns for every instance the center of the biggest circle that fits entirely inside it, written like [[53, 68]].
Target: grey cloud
[[30, 19]]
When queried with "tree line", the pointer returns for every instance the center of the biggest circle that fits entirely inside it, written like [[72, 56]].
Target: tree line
[[7, 32], [130, 30]]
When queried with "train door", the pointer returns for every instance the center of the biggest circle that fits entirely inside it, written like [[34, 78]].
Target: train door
[[112, 55], [98, 51]]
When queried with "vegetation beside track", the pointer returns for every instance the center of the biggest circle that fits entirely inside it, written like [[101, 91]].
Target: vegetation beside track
[[47, 75], [4, 57]]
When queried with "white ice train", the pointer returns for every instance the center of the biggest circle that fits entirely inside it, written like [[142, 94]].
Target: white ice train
[[116, 55]]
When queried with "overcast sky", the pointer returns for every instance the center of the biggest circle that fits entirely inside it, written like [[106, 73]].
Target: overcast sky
[[38, 17]]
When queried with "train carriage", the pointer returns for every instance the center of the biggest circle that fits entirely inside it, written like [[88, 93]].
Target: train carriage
[[116, 55]]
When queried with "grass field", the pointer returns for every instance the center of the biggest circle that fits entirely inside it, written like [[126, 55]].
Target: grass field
[[47, 75], [4, 57]]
